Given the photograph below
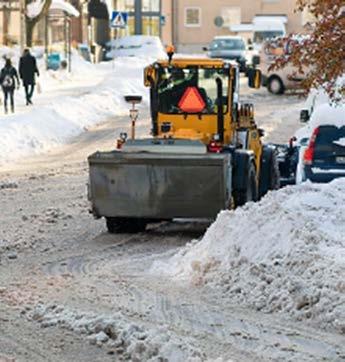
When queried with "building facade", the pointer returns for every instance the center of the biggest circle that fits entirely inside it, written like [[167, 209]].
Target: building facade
[[198, 21], [148, 17], [188, 24], [9, 22]]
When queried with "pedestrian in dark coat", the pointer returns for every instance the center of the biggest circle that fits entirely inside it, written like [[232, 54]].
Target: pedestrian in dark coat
[[27, 70], [8, 80]]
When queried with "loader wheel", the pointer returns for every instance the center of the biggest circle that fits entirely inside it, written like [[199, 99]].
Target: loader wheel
[[269, 171], [118, 225], [250, 193]]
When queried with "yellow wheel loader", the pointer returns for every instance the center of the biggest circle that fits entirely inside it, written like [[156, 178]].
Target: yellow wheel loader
[[204, 155]]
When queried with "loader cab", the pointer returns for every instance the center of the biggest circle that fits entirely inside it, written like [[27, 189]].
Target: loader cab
[[191, 99], [195, 98]]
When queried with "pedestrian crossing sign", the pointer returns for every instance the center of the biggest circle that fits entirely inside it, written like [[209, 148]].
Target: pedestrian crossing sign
[[119, 19]]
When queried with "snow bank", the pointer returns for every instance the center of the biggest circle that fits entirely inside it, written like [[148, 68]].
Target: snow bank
[[134, 342], [327, 114], [69, 105], [283, 254], [137, 46]]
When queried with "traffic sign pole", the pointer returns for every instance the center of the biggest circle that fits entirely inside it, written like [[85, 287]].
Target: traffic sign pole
[[118, 21]]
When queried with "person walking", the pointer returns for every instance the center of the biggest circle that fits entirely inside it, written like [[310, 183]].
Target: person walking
[[27, 70], [8, 80]]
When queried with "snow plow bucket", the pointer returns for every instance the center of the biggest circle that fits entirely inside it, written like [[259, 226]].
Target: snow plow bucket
[[159, 186]]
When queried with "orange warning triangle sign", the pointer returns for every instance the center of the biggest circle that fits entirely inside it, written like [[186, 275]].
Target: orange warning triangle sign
[[191, 101]]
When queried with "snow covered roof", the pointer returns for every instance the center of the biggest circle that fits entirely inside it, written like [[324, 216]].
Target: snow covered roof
[[326, 114], [64, 6], [33, 9]]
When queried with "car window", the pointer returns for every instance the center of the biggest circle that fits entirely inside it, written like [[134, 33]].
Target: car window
[[329, 134], [260, 36], [228, 44], [304, 141]]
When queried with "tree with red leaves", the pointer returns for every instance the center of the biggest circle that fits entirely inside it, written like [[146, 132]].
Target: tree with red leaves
[[321, 54]]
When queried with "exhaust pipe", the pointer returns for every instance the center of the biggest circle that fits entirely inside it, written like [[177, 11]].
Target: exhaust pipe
[[220, 114]]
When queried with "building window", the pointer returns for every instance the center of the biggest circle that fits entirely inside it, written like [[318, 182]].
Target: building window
[[231, 16], [192, 17], [150, 5], [144, 16]]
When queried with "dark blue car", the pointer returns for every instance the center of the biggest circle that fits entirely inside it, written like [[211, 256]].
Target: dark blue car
[[324, 158]]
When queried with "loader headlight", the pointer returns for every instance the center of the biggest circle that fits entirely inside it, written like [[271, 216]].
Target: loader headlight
[[216, 137]]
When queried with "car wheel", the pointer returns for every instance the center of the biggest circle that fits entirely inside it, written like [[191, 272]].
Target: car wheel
[[275, 85]]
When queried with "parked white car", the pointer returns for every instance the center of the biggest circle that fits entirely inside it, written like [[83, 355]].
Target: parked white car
[[278, 80]]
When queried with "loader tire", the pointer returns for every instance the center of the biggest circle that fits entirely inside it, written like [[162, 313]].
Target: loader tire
[[118, 225], [269, 171], [250, 193]]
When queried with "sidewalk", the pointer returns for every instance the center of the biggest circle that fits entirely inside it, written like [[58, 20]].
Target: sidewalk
[[68, 104]]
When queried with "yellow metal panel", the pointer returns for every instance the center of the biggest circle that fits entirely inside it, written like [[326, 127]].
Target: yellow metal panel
[[255, 145], [201, 62]]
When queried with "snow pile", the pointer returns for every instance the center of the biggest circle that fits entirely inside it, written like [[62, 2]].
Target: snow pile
[[329, 115], [137, 46], [283, 254], [133, 342], [61, 116], [340, 142]]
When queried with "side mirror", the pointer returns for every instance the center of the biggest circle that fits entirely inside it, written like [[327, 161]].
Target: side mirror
[[250, 47], [149, 76], [304, 116], [205, 49], [254, 78]]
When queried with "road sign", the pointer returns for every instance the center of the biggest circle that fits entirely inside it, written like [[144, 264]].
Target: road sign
[[119, 19]]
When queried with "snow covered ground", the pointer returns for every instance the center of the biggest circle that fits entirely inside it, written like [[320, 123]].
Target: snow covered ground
[[69, 104], [284, 254], [72, 291]]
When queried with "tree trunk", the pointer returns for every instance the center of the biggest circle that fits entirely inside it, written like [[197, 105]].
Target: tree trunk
[[31, 22], [30, 25]]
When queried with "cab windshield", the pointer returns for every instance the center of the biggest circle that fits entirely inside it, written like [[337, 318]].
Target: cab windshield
[[193, 85]]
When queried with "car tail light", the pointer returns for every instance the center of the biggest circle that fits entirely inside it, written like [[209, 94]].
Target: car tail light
[[309, 152], [214, 147]]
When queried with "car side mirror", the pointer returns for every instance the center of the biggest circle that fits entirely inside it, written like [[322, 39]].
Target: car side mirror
[[205, 49], [250, 47], [304, 116], [149, 76], [254, 78]]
